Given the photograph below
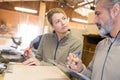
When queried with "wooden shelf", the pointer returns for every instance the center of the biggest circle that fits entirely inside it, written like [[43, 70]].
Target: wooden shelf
[[90, 42]]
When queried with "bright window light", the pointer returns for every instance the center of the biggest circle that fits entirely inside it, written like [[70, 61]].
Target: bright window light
[[28, 32], [84, 2], [83, 11], [25, 10], [79, 20]]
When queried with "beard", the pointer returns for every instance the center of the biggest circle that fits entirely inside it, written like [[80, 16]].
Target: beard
[[104, 30]]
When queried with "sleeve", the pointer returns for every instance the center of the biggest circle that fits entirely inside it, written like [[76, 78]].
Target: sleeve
[[89, 69], [40, 50], [77, 47]]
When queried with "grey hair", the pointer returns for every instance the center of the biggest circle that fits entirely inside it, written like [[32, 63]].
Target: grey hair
[[108, 3]]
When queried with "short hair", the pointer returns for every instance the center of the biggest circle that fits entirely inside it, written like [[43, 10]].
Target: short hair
[[108, 3], [53, 11]]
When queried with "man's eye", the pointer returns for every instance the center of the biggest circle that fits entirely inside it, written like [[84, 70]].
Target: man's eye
[[97, 13]]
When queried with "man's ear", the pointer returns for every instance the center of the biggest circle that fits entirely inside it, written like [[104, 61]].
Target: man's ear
[[115, 11]]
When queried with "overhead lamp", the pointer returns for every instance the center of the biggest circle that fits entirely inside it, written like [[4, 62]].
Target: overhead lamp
[[25, 10]]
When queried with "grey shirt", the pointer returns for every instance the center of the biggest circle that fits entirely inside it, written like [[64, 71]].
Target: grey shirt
[[51, 48], [106, 62]]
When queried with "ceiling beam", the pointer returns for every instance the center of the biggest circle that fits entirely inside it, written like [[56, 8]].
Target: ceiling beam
[[84, 4], [42, 12], [24, 0]]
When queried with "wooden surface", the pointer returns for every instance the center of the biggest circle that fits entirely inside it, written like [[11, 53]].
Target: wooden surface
[[21, 72], [90, 42], [1, 76]]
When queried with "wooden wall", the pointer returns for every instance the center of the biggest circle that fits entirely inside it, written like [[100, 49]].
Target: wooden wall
[[13, 19]]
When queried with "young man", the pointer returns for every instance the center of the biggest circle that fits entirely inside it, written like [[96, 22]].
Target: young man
[[105, 64]]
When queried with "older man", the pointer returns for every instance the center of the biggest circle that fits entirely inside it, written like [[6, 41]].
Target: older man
[[105, 63]]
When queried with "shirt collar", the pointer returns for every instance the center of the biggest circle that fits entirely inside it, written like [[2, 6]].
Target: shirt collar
[[65, 37]]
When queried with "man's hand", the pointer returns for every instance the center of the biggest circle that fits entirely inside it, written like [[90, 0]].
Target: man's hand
[[75, 63]]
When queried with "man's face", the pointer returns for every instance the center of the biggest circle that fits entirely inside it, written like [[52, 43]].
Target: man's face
[[103, 20]]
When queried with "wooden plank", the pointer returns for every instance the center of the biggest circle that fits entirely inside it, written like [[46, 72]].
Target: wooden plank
[[41, 16], [21, 72], [23, 0]]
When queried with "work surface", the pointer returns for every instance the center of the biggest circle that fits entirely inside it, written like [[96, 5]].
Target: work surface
[[1, 76], [22, 72]]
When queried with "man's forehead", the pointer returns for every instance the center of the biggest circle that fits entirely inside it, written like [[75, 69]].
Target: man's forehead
[[99, 8], [101, 3]]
